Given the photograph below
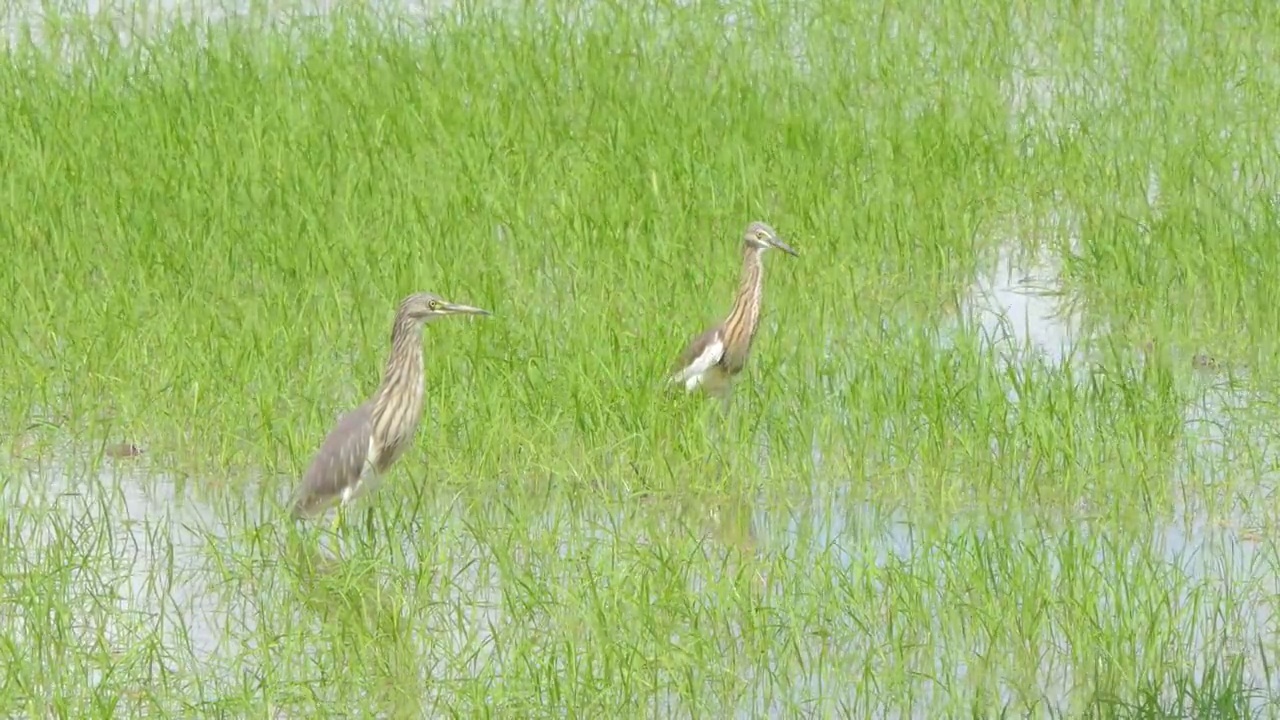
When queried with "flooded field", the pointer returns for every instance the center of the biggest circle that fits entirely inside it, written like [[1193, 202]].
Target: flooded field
[[1004, 446]]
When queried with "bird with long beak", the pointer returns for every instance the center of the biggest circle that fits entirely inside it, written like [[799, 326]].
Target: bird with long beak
[[713, 359]]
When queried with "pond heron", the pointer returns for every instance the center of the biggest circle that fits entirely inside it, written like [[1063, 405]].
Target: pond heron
[[367, 441], [714, 358]]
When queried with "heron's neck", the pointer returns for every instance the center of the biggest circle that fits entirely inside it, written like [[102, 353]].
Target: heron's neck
[[745, 315], [403, 371]]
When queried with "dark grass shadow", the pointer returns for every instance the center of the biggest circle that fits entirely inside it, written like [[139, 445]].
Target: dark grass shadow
[[1220, 693]]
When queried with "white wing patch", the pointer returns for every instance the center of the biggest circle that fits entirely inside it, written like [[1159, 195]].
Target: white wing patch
[[368, 480], [370, 458], [693, 373]]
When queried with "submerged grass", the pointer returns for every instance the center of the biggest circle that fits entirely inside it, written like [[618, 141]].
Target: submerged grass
[[209, 224]]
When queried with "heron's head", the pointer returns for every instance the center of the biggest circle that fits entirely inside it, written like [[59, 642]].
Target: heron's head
[[760, 236], [425, 307]]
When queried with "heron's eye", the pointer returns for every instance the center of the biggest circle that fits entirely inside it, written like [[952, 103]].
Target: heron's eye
[[434, 305]]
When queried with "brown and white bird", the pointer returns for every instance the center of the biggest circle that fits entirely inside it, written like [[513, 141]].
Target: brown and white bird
[[367, 441], [714, 358]]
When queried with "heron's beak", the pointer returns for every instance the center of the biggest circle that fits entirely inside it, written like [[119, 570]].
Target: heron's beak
[[778, 243], [454, 309]]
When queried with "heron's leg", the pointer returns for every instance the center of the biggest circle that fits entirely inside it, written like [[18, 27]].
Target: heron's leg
[[368, 522], [723, 392], [720, 390], [337, 517], [731, 428]]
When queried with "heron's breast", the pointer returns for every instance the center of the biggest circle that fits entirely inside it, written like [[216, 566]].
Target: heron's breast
[[401, 432]]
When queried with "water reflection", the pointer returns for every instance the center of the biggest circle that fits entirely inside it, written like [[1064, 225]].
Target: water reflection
[[202, 575], [216, 581], [1021, 309], [440, 585]]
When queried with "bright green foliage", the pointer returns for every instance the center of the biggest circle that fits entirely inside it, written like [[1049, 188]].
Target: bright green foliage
[[208, 226]]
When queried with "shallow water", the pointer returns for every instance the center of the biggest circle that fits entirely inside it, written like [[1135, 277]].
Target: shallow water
[[194, 576], [165, 572], [173, 576]]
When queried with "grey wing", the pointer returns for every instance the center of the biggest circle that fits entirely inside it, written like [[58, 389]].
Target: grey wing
[[338, 463]]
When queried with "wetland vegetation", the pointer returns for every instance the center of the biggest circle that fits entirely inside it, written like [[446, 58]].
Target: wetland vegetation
[[1004, 445]]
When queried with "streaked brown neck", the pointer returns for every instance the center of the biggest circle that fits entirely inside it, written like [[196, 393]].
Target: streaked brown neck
[[397, 407], [404, 364], [744, 318]]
